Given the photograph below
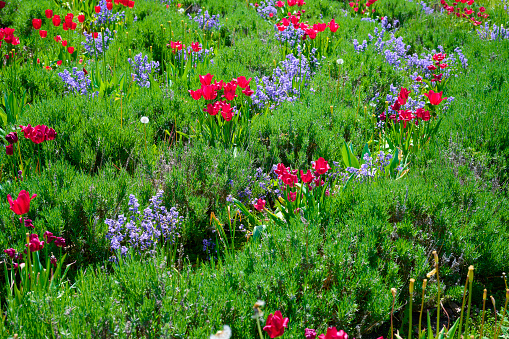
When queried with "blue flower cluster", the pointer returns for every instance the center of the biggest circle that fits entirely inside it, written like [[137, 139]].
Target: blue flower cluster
[[142, 231], [95, 47], [493, 33], [371, 167], [266, 8], [206, 21], [286, 81], [77, 81], [142, 69], [427, 10], [105, 16], [290, 35]]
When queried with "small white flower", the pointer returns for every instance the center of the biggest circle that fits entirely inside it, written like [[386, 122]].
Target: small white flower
[[144, 120], [181, 11], [226, 333], [340, 61]]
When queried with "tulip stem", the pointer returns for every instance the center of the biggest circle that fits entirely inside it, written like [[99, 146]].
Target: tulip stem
[[20, 161], [259, 327]]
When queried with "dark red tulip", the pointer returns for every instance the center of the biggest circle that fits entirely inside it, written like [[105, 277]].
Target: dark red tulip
[[48, 13], [37, 23], [248, 91], [43, 34], [56, 20], [2, 4], [81, 18], [9, 150]]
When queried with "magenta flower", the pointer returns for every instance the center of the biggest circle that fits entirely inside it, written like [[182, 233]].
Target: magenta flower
[[260, 204], [321, 166], [275, 325]]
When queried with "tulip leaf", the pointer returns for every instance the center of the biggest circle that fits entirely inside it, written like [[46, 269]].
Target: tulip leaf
[[349, 158], [257, 231]]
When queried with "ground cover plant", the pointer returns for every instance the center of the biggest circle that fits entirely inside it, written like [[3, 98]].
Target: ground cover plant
[[229, 169]]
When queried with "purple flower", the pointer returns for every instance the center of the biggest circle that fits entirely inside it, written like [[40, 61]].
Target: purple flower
[[142, 69], [206, 21]]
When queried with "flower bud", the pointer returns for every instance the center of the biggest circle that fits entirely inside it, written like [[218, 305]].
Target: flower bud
[[411, 288]]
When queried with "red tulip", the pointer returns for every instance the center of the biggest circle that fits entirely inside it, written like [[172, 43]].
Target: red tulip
[[205, 80], [21, 205], [97, 9], [48, 13], [242, 82], [196, 95], [292, 196], [259, 206], [64, 43], [56, 20], [435, 98], [333, 26], [73, 26], [196, 46], [212, 109], [38, 134], [2, 4], [308, 177], [422, 114], [280, 4], [70, 50], [65, 27], [37, 23], [130, 4], [9, 150], [291, 3], [226, 111], [109, 6], [276, 324], [58, 38], [319, 27], [59, 62], [209, 92], [248, 91], [70, 15], [332, 333], [300, 3], [403, 95], [311, 33], [43, 33], [81, 18], [35, 244], [321, 166], [229, 91], [95, 35]]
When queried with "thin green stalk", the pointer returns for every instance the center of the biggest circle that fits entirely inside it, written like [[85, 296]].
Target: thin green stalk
[[495, 314], [435, 255], [462, 308], [470, 280], [411, 290], [393, 291], [503, 313], [483, 310], [422, 305]]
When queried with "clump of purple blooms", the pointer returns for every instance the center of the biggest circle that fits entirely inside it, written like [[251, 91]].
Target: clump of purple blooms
[[95, 47], [492, 33], [266, 8], [395, 52], [290, 35], [206, 21], [142, 69], [286, 81], [371, 167], [427, 10], [105, 16], [142, 231], [77, 81]]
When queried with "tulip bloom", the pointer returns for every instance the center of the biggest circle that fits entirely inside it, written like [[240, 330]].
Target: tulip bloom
[[11, 252], [9, 150], [21, 205], [196, 95], [43, 33], [292, 196], [311, 33], [306, 178], [60, 242], [205, 80], [320, 27], [58, 38], [422, 114], [309, 333], [242, 82], [64, 43], [130, 4], [35, 244], [280, 4], [291, 3], [37, 23], [48, 13], [196, 46], [109, 6], [248, 91], [59, 62], [212, 109], [56, 20], [332, 333], [81, 18], [2, 4], [229, 91], [275, 325], [435, 98], [12, 138], [321, 166], [259, 206], [70, 50], [97, 9], [403, 95], [333, 26], [209, 92]]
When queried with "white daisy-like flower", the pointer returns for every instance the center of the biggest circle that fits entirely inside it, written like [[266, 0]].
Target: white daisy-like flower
[[340, 61], [144, 120], [181, 11], [226, 333]]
